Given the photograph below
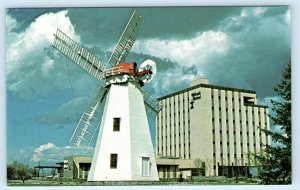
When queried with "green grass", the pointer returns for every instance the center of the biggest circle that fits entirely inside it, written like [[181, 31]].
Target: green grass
[[62, 182]]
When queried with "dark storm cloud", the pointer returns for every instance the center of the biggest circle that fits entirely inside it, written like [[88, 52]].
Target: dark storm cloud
[[263, 48], [260, 36], [182, 22], [99, 26], [105, 25]]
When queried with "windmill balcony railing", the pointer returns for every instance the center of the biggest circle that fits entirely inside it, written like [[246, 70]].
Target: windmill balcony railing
[[114, 71]]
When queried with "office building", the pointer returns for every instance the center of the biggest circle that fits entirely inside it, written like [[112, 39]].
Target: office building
[[218, 125]]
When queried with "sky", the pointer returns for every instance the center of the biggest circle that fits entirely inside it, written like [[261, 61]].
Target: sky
[[240, 47]]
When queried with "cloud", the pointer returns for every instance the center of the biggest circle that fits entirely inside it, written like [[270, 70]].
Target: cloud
[[38, 152], [33, 67], [187, 57], [10, 22], [50, 153], [267, 102], [187, 52], [239, 46], [273, 128], [238, 52], [172, 79], [44, 147], [47, 154], [255, 62]]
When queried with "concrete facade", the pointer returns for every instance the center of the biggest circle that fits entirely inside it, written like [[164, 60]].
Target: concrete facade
[[220, 126], [172, 168], [130, 146], [76, 167]]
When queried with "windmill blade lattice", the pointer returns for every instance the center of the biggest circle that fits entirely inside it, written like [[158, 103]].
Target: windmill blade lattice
[[90, 120], [127, 39], [152, 105], [79, 55]]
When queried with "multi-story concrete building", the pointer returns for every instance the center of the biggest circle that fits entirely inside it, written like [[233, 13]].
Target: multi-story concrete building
[[218, 125]]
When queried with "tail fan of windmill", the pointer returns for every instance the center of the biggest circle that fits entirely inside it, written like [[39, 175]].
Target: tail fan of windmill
[[148, 65], [90, 120]]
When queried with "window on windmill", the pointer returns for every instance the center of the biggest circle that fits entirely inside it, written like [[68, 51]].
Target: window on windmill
[[145, 166], [113, 161], [116, 124]]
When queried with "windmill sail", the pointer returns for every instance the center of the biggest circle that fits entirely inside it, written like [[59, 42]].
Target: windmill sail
[[151, 104], [90, 120], [127, 39], [78, 54]]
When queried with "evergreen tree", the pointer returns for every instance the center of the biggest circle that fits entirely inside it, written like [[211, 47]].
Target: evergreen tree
[[275, 162]]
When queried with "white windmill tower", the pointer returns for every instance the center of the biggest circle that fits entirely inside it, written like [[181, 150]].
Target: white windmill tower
[[124, 149]]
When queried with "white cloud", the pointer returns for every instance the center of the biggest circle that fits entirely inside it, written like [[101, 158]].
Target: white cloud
[[187, 52], [50, 153], [173, 79], [35, 38], [38, 152], [253, 11], [188, 56], [30, 60], [10, 22], [44, 147], [47, 66], [288, 17], [267, 100]]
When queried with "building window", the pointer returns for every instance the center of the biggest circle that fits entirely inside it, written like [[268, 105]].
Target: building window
[[145, 166], [113, 161], [116, 124]]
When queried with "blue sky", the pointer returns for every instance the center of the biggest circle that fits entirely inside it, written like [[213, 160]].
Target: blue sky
[[242, 47]]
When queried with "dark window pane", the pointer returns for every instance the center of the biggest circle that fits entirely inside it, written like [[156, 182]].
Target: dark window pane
[[116, 124], [113, 160]]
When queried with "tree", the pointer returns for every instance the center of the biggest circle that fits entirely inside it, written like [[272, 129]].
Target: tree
[[209, 163], [200, 165], [17, 170], [275, 161], [10, 172]]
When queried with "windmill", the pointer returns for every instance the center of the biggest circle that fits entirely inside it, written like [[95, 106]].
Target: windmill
[[124, 150]]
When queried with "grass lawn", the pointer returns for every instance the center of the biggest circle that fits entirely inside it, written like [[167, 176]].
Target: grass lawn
[[64, 182]]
